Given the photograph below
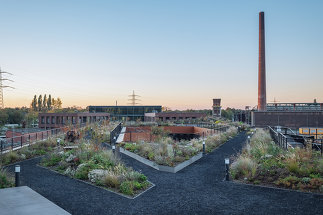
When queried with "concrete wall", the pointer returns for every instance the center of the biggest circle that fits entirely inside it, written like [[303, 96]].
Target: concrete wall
[[287, 119], [134, 134]]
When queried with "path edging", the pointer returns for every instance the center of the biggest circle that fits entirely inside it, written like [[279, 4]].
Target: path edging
[[104, 188], [162, 167]]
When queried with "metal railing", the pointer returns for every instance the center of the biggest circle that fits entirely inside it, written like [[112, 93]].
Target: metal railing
[[115, 133], [17, 142], [280, 139]]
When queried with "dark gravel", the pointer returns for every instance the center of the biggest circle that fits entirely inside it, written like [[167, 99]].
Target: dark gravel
[[197, 189]]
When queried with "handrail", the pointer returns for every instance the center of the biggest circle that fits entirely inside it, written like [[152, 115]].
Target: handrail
[[17, 142]]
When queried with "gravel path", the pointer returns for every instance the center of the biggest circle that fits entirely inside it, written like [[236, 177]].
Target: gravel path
[[197, 189]]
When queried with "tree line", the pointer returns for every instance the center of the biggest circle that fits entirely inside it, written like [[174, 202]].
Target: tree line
[[45, 104]]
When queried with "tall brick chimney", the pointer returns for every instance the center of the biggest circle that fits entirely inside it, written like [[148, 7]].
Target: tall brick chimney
[[262, 102]]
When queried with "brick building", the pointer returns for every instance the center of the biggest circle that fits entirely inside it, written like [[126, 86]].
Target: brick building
[[56, 120], [173, 116]]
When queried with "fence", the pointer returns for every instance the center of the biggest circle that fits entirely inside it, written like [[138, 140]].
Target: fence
[[279, 138], [115, 133], [17, 142]]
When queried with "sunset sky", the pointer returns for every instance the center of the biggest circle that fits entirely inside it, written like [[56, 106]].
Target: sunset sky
[[174, 53]]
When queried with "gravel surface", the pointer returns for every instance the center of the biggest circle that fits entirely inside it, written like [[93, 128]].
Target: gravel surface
[[197, 189]]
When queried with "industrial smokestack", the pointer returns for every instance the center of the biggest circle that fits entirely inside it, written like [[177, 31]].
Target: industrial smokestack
[[262, 102]]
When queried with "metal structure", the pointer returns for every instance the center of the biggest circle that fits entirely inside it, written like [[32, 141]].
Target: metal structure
[[3, 86], [133, 99], [262, 65], [295, 107]]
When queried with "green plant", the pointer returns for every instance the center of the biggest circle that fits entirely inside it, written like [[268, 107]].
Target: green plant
[[51, 160], [5, 180], [290, 181], [126, 187], [243, 167], [83, 171], [111, 180], [137, 185], [10, 157], [142, 178], [151, 155]]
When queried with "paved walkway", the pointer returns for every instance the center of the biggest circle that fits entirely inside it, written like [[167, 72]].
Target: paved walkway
[[23, 200], [197, 189]]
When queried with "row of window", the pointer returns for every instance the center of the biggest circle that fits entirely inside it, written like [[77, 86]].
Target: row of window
[[70, 119]]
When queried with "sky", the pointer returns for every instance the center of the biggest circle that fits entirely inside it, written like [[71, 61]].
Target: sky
[[176, 53]]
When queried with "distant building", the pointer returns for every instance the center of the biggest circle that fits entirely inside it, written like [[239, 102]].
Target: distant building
[[56, 120], [216, 108], [173, 116], [292, 115], [127, 113]]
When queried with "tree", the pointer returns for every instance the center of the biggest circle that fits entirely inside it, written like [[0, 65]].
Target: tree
[[53, 103], [34, 104], [45, 102], [40, 103], [58, 103], [31, 117], [3, 117], [49, 102]]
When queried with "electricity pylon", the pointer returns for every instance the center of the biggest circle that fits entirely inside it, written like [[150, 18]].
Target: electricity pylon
[[133, 99], [3, 86]]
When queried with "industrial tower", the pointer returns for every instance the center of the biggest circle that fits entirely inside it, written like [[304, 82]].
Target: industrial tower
[[133, 99], [3, 86]]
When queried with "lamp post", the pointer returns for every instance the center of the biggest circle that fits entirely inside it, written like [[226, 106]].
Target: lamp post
[[17, 175], [227, 162]]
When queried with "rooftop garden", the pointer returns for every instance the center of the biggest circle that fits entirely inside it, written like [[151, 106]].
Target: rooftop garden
[[89, 162], [83, 159], [263, 162]]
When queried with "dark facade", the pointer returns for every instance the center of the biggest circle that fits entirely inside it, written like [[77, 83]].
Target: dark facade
[[130, 113], [173, 116], [56, 120], [291, 119]]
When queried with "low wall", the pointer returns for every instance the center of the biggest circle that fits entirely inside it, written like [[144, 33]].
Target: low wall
[[162, 167], [133, 134]]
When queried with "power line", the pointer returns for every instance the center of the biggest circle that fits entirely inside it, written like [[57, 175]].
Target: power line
[[133, 99], [3, 86]]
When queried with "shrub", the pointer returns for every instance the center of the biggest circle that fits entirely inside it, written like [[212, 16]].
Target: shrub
[[111, 180], [137, 185], [105, 159], [292, 166], [51, 160], [320, 166], [290, 182], [10, 157], [142, 178], [5, 180], [243, 167], [83, 171], [151, 155], [126, 187]]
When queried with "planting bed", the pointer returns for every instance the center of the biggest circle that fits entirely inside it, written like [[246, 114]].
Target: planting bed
[[164, 152], [101, 168], [263, 162]]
